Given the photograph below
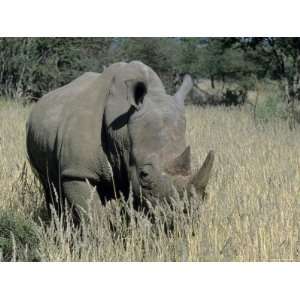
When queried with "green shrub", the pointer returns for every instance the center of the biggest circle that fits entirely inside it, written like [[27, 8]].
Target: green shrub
[[271, 107], [30, 67], [18, 238]]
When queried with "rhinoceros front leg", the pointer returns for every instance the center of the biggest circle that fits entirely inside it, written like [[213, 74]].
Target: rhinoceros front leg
[[83, 198]]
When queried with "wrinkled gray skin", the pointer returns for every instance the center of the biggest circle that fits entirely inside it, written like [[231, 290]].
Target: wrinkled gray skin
[[119, 124]]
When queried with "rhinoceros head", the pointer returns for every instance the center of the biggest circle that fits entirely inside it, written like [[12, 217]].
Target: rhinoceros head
[[160, 159], [158, 156]]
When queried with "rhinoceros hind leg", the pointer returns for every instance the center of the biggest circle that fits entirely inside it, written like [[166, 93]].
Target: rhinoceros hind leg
[[51, 191]]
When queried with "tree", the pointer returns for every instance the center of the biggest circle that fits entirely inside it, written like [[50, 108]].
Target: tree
[[281, 58], [31, 67], [210, 58]]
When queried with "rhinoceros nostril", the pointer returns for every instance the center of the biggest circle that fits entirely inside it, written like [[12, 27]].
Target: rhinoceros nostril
[[145, 171], [144, 174]]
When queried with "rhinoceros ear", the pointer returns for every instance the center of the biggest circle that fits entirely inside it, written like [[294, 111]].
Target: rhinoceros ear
[[184, 89], [136, 91]]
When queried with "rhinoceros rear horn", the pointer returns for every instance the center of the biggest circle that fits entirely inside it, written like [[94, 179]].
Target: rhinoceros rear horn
[[181, 165], [136, 93], [200, 179], [184, 89]]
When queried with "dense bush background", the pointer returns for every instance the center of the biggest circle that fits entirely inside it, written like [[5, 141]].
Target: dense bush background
[[30, 67], [19, 238]]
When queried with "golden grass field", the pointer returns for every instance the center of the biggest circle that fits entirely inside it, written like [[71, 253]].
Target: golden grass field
[[251, 213]]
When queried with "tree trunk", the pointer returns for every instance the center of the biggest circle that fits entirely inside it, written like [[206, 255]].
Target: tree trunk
[[290, 101], [223, 82], [292, 91], [212, 81]]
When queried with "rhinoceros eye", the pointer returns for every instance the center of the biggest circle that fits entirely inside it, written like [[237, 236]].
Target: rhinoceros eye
[[145, 172]]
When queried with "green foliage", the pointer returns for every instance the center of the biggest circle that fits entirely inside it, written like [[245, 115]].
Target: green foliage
[[277, 56], [280, 58], [18, 238], [30, 67], [272, 107], [33, 66], [189, 55], [209, 58]]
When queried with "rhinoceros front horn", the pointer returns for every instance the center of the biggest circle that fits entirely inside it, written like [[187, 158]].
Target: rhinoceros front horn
[[200, 179]]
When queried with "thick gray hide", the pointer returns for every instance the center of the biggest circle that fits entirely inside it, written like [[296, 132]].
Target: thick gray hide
[[119, 125]]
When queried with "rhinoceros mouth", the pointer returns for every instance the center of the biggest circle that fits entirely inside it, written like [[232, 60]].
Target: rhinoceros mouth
[[165, 185]]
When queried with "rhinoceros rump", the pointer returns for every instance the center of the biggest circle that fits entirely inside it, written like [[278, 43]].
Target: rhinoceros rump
[[116, 129]]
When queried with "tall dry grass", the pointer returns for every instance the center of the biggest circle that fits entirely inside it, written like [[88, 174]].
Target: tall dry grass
[[251, 213]]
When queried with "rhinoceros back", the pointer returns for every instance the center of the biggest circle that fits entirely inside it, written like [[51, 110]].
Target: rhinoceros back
[[64, 131]]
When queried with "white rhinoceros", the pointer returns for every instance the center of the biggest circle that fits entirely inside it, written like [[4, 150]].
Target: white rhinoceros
[[114, 129]]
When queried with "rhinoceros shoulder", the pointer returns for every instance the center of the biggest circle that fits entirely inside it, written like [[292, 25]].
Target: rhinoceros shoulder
[[66, 123]]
